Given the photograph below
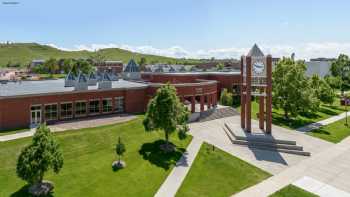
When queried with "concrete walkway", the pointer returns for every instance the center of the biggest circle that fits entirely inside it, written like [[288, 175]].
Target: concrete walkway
[[331, 166], [73, 125], [321, 123], [319, 188], [179, 172]]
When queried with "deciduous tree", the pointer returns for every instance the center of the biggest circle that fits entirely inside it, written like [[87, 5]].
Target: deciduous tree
[[40, 156], [341, 68], [165, 112], [291, 89]]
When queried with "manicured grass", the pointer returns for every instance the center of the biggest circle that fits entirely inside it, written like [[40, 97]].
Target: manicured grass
[[292, 191], [334, 132], [217, 173], [324, 112], [13, 131], [53, 76], [88, 156]]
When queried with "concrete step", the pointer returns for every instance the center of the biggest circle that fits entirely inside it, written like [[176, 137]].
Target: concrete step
[[265, 143], [268, 144], [295, 152], [258, 138], [215, 113]]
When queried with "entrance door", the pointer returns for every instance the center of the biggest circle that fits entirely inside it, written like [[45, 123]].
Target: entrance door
[[35, 115]]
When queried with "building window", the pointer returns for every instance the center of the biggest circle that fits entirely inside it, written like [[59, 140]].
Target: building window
[[107, 105], [66, 110], [119, 104], [80, 108], [94, 106], [51, 112]]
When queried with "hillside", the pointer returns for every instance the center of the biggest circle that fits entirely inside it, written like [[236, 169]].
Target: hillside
[[24, 53]]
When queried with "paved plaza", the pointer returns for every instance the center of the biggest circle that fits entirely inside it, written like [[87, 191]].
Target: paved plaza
[[273, 162]]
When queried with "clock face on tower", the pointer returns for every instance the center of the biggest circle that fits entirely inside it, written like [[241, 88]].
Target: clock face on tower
[[258, 68]]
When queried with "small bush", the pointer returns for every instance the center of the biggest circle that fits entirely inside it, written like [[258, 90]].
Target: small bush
[[226, 98]]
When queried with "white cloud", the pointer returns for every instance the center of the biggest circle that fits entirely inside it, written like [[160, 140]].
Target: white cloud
[[302, 51]]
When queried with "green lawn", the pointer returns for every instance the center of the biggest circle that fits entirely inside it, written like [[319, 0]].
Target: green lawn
[[324, 112], [292, 191], [217, 173], [88, 156], [53, 76], [334, 132]]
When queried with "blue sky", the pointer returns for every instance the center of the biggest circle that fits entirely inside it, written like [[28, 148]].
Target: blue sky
[[183, 27]]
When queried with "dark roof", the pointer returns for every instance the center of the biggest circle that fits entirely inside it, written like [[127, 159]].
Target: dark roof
[[132, 66], [255, 52]]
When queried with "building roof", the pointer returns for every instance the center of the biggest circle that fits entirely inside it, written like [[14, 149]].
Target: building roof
[[70, 76], [25, 88], [92, 76], [132, 66], [113, 62], [82, 78], [255, 52]]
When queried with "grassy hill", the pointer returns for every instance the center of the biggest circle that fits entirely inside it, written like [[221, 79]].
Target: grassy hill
[[24, 53]]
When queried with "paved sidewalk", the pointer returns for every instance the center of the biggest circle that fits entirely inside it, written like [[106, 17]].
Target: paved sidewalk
[[179, 172], [73, 125], [331, 166], [324, 122], [319, 188]]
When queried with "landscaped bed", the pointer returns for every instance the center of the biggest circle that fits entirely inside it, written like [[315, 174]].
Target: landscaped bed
[[13, 131], [292, 191], [217, 173], [88, 156], [334, 132], [324, 112]]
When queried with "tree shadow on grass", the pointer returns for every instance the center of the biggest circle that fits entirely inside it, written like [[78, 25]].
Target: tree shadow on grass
[[321, 131], [153, 153], [291, 123], [327, 111], [23, 192]]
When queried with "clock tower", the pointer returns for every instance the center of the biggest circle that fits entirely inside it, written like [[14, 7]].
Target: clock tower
[[256, 81]]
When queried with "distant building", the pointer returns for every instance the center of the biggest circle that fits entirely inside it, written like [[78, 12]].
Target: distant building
[[114, 67], [321, 68], [35, 63]]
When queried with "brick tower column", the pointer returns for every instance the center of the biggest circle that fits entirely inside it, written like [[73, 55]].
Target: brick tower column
[[213, 100], [193, 104], [248, 93], [202, 102], [261, 110], [242, 90], [269, 94], [208, 101]]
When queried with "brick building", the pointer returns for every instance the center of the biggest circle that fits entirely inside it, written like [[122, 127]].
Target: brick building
[[31, 102]]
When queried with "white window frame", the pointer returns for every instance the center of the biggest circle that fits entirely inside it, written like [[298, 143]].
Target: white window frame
[[119, 106], [111, 107], [99, 105], [86, 108], [66, 117], [57, 112]]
